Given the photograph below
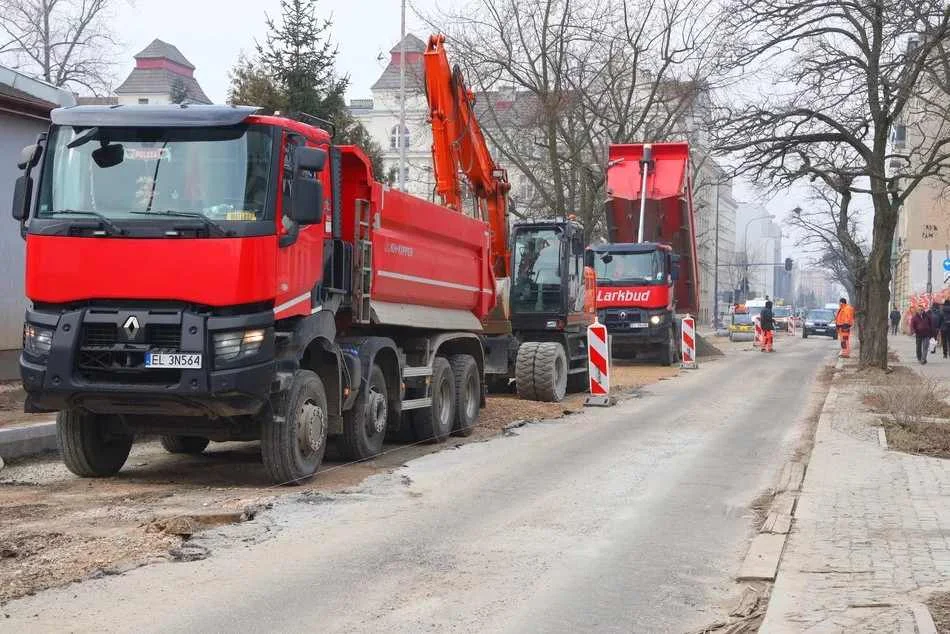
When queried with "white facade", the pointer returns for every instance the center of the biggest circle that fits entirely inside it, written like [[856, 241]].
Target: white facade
[[712, 198], [380, 117]]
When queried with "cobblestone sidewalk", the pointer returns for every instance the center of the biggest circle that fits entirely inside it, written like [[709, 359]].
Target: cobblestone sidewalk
[[871, 535]]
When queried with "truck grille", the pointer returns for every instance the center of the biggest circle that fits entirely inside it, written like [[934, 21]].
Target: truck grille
[[103, 358]]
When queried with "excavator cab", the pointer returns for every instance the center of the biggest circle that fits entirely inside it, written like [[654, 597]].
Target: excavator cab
[[547, 274]]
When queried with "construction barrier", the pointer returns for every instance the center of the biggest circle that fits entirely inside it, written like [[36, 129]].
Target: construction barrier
[[598, 364], [757, 340], [688, 343], [791, 326]]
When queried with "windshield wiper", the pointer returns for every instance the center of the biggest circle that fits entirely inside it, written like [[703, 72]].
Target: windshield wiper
[[208, 222], [106, 222]]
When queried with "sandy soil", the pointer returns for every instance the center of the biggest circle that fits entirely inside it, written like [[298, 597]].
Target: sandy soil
[[56, 528]]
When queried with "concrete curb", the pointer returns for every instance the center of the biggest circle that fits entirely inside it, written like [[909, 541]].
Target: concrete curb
[[922, 618], [27, 440]]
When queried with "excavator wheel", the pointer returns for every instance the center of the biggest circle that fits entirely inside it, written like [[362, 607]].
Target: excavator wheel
[[524, 370], [550, 372]]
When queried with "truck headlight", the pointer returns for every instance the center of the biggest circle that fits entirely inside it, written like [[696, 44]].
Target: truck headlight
[[655, 320], [37, 341], [236, 344]]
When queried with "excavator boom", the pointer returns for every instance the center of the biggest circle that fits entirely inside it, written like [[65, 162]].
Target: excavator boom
[[459, 148]]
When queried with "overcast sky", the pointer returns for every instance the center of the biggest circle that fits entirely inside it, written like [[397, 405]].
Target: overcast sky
[[364, 31]]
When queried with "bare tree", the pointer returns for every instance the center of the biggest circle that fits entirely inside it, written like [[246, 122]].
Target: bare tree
[[67, 43], [829, 231], [839, 76], [558, 81]]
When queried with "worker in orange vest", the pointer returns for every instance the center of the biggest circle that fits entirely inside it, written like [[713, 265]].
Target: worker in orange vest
[[844, 322]]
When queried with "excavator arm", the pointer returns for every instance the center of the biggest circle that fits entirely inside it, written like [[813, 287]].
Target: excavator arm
[[459, 148]]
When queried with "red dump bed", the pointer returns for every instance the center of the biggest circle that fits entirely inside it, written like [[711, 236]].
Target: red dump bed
[[431, 265], [669, 215]]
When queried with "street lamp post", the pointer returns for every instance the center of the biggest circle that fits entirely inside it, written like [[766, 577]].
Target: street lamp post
[[402, 100], [716, 266], [745, 249]]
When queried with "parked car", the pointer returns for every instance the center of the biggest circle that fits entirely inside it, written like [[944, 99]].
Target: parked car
[[820, 322], [782, 315], [741, 326]]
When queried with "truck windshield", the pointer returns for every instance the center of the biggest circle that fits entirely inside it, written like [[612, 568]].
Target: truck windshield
[[125, 173], [537, 271], [628, 267]]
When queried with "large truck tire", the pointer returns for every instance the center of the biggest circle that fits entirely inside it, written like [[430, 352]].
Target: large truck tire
[[667, 350], [468, 397], [435, 423], [524, 370], [192, 445], [293, 444], [90, 448], [364, 426], [550, 372]]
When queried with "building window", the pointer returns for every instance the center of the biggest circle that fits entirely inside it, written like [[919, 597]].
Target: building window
[[394, 137], [143, 101]]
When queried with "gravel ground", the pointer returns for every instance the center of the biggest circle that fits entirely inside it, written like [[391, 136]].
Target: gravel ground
[[56, 528]]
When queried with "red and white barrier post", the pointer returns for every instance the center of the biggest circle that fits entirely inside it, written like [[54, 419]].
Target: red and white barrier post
[[688, 343], [757, 342], [598, 364]]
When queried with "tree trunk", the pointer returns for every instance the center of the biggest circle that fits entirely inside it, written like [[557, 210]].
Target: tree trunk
[[878, 282]]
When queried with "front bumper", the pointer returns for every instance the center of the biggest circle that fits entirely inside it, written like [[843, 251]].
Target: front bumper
[[92, 365]]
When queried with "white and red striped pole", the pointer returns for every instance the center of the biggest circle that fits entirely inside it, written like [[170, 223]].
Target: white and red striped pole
[[598, 364], [688, 343]]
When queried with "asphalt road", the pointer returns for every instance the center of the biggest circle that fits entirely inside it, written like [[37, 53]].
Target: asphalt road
[[630, 519]]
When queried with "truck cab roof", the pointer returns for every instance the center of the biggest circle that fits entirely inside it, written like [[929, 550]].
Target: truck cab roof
[[157, 116]]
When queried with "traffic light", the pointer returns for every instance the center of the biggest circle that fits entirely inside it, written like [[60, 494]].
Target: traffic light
[[788, 265]]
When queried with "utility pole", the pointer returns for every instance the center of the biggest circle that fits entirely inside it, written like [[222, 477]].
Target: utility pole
[[400, 136], [930, 271], [716, 260]]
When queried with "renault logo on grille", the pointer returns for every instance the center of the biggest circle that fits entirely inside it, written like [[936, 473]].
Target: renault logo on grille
[[623, 316], [131, 326]]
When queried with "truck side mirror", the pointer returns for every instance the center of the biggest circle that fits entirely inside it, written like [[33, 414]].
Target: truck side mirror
[[30, 156], [309, 158], [22, 195], [306, 206]]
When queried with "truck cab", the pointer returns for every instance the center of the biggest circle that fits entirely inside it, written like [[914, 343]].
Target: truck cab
[[635, 298]]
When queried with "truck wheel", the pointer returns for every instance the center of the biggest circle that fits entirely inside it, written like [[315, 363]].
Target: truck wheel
[[364, 426], [184, 444], [90, 446], [524, 370], [468, 395], [434, 423], [550, 372], [293, 445], [667, 351]]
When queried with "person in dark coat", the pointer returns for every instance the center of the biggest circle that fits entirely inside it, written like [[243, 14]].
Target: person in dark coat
[[936, 318], [945, 327], [923, 328], [767, 322], [895, 320]]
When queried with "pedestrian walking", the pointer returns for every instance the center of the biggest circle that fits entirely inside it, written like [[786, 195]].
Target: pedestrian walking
[[896, 320], [844, 323], [936, 318], [767, 320], [945, 328], [922, 326]]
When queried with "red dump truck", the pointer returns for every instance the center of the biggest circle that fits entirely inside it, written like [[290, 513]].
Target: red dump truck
[[648, 272], [209, 273]]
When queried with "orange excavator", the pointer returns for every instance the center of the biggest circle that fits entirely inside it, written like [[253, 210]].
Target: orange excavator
[[536, 335]]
